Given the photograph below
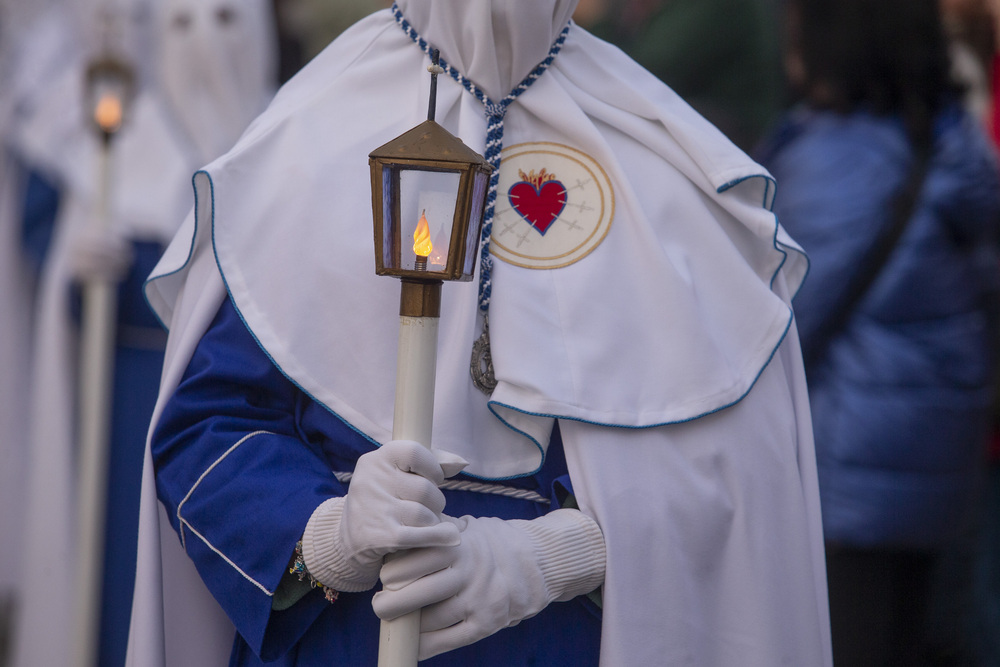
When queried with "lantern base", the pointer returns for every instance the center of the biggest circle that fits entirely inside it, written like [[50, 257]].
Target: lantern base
[[420, 298]]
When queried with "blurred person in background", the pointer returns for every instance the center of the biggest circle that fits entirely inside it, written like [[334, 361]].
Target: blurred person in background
[[203, 70], [963, 625], [29, 49], [305, 27], [986, 578], [722, 56], [969, 26], [892, 188]]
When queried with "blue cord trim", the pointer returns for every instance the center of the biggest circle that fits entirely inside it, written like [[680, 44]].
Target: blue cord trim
[[495, 112]]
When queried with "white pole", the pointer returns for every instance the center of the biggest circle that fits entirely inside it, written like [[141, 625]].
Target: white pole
[[97, 340], [399, 638]]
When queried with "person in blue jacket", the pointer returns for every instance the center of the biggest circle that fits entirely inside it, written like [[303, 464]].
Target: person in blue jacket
[[900, 382]]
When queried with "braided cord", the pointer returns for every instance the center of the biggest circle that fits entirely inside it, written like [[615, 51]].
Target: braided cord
[[495, 112], [474, 487]]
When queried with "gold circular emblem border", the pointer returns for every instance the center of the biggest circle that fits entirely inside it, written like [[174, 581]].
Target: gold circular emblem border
[[529, 147]]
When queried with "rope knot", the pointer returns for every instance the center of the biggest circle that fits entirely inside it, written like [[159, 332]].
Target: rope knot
[[495, 111]]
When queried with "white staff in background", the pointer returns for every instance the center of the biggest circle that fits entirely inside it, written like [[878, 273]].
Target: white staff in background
[[109, 89]]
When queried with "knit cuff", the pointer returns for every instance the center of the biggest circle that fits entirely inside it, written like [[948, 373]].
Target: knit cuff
[[570, 549], [323, 553]]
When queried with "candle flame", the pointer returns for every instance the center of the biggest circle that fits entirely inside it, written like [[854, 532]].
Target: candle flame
[[108, 113], [422, 245]]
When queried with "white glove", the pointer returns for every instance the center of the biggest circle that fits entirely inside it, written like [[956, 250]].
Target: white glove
[[501, 573], [393, 503], [100, 255]]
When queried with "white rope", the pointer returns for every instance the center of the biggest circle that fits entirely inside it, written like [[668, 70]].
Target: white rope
[[474, 487]]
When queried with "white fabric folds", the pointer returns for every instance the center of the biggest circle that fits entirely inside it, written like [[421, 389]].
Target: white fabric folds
[[668, 352]]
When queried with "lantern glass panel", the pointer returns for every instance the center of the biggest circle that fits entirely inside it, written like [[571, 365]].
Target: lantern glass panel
[[480, 182], [431, 195], [389, 247]]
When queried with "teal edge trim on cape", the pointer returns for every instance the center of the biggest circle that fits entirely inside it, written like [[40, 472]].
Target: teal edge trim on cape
[[187, 261], [492, 405], [768, 204]]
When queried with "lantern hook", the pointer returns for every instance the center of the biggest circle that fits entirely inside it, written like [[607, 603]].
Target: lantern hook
[[434, 69]]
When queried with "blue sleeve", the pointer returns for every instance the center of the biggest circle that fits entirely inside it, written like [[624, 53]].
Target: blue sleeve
[[240, 480]]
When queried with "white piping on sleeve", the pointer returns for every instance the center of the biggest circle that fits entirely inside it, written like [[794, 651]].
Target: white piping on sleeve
[[184, 523]]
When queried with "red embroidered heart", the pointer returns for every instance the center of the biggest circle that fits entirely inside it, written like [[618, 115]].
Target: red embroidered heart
[[539, 206]]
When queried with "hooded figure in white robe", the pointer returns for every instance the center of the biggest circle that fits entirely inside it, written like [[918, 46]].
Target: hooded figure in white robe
[[151, 161], [32, 43], [641, 309]]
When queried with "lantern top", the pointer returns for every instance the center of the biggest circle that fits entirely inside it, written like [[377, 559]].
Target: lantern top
[[429, 141], [110, 66]]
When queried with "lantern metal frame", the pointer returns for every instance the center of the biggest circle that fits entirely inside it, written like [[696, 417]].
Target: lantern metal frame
[[428, 148]]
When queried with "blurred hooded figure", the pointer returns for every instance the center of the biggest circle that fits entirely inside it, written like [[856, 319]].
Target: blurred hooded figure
[[173, 124], [32, 43], [648, 436], [217, 68], [892, 188]]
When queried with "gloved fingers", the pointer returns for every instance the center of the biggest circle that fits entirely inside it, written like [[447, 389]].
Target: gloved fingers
[[373, 509], [410, 456], [444, 614], [451, 464], [439, 535], [406, 567], [399, 470], [390, 604], [450, 638], [410, 487]]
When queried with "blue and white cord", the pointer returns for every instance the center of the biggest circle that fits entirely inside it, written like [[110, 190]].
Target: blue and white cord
[[495, 112]]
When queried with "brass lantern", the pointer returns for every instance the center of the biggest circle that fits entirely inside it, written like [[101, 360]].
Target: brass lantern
[[428, 197], [110, 86]]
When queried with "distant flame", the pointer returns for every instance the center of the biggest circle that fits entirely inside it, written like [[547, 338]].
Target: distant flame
[[422, 237], [108, 113]]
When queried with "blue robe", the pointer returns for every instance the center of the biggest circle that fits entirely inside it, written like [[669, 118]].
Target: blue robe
[[243, 457]]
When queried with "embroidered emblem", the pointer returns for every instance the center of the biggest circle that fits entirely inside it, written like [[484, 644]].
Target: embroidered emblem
[[558, 208], [538, 198]]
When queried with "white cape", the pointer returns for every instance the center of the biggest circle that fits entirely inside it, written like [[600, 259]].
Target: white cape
[[646, 348]]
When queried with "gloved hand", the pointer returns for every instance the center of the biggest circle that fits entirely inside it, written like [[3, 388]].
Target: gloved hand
[[100, 255], [501, 573], [393, 503]]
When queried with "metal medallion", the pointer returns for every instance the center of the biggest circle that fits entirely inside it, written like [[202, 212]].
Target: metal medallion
[[482, 361]]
